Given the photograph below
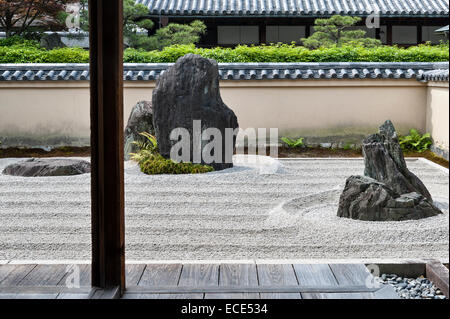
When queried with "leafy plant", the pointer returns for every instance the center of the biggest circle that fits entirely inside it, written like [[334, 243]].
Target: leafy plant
[[416, 141], [152, 163], [293, 143]]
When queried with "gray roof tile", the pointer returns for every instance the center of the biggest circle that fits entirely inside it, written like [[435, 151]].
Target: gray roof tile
[[435, 75], [231, 71], [296, 7]]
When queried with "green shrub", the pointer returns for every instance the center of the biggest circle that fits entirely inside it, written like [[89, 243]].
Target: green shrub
[[415, 141], [161, 165], [17, 41], [152, 163], [243, 53]]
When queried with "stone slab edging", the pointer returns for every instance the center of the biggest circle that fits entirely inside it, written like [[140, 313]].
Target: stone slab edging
[[232, 71]]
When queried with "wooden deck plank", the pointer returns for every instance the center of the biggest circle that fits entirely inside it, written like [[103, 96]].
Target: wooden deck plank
[[105, 293], [315, 275], [16, 275], [365, 295], [5, 270], [28, 296], [139, 296], [197, 281], [134, 274], [84, 273], [386, 292], [161, 275], [44, 275], [351, 274], [73, 296], [241, 275], [277, 275], [199, 275]]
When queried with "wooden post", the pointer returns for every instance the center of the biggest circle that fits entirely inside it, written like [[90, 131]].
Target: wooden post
[[262, 33], [389, 34], [307, 31], [419, 34], [107, 181]]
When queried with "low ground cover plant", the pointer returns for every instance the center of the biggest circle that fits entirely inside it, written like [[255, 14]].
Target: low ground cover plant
[[293, 143], [415, 141], [152, 163]]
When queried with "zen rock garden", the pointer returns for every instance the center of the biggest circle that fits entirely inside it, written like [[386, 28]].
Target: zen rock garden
[[188, 92], [388, 191]]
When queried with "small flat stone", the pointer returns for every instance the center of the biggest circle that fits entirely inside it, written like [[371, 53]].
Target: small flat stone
[[48, 167]]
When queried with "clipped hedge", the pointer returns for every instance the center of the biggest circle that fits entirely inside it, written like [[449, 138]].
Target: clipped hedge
[[292, 53], [269, 53]]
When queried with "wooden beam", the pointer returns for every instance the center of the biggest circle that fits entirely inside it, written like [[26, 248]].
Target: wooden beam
[[107, 181], [419, 34]]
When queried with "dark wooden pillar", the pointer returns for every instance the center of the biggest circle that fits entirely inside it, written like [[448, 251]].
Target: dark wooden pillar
[[378, 33], [262, 33], [389, 34], [106, 73], [419, 34], [307, 31]]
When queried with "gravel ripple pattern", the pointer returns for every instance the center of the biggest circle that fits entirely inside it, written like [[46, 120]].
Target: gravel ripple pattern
[[260, 209]]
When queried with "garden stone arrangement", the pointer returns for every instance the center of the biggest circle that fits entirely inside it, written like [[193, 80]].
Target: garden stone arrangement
[[189, 91], [48, 167], [140, 120], [412, 288], [388, 191]]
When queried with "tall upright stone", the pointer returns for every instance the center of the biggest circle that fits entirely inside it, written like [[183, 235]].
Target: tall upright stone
[[388, 191], [384, 162], [188, 92]]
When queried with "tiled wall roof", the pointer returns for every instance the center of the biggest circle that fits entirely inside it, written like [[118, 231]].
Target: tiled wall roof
[[229, 71], [435, 75], [297, 7]]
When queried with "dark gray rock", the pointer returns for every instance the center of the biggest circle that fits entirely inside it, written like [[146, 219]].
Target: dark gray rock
[[189, 91], [388, 191], [52, 41], [48, 167], [367, 199], [140, 120], [384, 162]]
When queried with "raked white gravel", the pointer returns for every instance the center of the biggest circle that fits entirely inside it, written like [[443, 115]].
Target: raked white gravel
[[260, 209]]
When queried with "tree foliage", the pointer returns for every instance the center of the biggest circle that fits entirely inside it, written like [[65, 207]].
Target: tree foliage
[[172, 34], [18, 16], [137, 26], [336, 31]]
